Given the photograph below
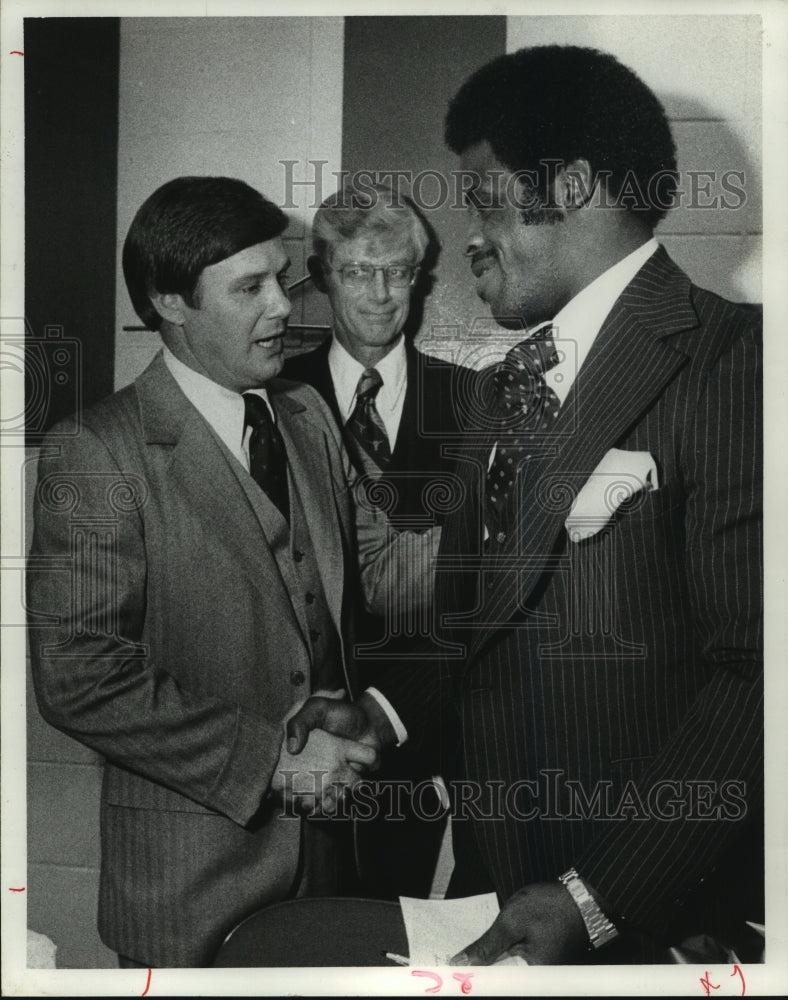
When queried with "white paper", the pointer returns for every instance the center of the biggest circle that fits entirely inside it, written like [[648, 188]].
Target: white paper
[[437, 929]]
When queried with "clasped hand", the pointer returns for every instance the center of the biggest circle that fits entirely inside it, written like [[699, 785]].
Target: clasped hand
[[326, 751]]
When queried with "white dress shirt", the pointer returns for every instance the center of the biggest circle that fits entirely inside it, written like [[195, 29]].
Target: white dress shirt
[[577, 325], [393, 369], [221, 408]]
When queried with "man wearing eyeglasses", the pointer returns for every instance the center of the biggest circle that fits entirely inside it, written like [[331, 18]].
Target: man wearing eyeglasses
[[396, 408]]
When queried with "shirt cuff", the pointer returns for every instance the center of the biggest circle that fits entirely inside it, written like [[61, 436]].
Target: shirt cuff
[[396, 723], [442, 790]]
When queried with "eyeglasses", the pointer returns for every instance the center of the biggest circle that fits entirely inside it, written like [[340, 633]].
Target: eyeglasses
[[358, 275]]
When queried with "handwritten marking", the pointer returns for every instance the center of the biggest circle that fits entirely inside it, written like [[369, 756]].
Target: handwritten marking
[[17, 890], [737, 971], [707, 984], [15, 52], [464, 979], [431, 975], [147, 985]]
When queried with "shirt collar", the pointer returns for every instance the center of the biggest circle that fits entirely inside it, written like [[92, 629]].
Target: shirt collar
[[222, 408], [346, 371], [582, 317]]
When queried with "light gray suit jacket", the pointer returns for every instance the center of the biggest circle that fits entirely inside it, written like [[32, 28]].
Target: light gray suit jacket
[[167, 638]]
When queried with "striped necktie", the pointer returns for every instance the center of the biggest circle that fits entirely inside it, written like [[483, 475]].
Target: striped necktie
[[365, 432]]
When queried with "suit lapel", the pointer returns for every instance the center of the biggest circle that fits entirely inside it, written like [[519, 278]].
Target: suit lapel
[[319, 375], [458, 570], [311, 477], [411, 420], [203, 473], [637, 353]]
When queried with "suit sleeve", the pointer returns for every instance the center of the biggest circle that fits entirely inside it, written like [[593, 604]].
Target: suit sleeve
[[396, 568], [95, 677], [645, 868]]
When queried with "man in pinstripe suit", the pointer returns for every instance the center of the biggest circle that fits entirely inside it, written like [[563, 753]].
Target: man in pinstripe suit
[[602, 582]]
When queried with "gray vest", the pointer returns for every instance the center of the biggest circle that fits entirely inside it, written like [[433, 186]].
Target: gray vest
[[292, 548]]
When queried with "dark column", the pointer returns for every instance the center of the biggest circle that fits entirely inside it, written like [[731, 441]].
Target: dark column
[[71, 148], [400, 73]]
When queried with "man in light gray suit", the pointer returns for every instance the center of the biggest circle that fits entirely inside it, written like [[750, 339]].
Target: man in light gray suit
[[192, 577]]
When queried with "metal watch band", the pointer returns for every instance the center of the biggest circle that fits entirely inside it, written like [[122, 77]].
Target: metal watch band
[[600, 929]]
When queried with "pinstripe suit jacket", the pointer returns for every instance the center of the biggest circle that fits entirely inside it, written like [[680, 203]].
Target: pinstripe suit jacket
[[172, 643], [626, 666]]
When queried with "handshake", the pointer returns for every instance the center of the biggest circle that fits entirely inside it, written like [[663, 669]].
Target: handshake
[[329, 746]]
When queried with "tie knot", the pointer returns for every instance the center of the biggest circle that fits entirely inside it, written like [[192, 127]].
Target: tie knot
[[537, 354], [256, 413], [369, 384]]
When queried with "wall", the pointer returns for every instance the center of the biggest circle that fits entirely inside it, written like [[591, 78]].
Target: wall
[[196, 97], [71, 136], [400, 73], [231, 96]]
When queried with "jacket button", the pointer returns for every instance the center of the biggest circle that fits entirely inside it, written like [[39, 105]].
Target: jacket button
[[500, 537], [314, 635], [310, 598], [298, 556], [297, 677]]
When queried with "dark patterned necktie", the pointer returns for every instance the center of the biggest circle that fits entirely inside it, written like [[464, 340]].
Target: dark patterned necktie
[[267, 455], [525, 406], [365, 432]]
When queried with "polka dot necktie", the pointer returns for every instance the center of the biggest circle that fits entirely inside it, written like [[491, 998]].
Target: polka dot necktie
[[365, 432], [267, 455], [525, 407]]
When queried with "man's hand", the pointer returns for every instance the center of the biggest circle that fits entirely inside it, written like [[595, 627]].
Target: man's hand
[[540, 922], [327, 766], [363, 721]]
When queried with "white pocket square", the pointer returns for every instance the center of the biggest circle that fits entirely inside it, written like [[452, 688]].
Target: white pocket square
[[617, 478]]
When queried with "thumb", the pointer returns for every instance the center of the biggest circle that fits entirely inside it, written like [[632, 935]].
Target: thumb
[[360, 753], [310, 716], [336, 695], [486, 949]]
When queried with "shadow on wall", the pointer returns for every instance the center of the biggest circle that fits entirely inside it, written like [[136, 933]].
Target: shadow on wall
[[715, 230]]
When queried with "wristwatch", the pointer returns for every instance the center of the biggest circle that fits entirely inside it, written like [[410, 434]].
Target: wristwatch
[[600, 929]]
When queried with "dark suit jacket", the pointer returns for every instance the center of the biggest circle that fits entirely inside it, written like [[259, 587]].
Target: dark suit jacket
[[174, 643], [422, 461], [629, 663]]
